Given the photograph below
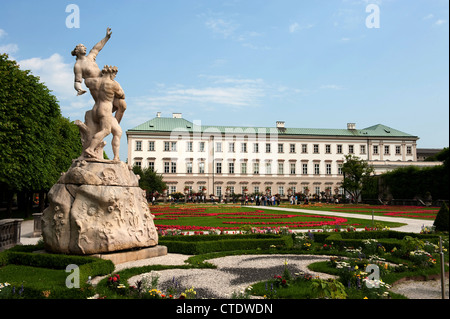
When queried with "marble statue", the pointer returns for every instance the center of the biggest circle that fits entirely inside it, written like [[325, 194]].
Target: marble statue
[[98, 124], [97, 206]]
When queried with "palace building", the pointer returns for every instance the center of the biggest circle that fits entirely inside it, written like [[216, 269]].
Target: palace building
[[221, 160]]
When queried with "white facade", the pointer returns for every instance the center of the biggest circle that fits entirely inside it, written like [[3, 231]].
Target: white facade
[[242, 159]]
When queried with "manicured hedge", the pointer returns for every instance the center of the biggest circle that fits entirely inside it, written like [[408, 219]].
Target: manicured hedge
[[322, 237], [88, 266], [194, 245]]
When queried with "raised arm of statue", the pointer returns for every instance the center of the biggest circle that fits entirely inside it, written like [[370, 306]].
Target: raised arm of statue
[[99, 46]]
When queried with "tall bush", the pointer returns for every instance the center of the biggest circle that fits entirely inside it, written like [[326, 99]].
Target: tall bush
[[442, 222]]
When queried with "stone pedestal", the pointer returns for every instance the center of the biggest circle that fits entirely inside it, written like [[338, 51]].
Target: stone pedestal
[[133, 255], [97, 207]]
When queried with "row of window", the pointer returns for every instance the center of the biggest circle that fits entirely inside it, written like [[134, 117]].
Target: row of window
[[223, 190], [172, 147], [256, 168]]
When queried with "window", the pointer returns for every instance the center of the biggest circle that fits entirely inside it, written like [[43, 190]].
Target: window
[[316, 148], [189, 167], [151, 166], [138, 145], [305, 148], [280, 148], [218, 146], [292, 148], [173, 168], [294, 189], [408, 150], [218, 190], [151, 146], [362, 149], [340, 169], [173, 146], [231, 147], [188, 146], [255, 148], [268, 168], [339, 149], [317, 190], [166, 167], [255, 168], [243, 168], [201, 167], [256, 189], [219, 168], [231, 189], [328, 169], [398, 150], [243, 189], [281, 190], [292, 168], [138, 163], [328, 149], [375, 149], [244, 147], [166, 146], [269, 190], [280, 168], [316, 169], [351, 149], [231, 168], [305, 169], [201, 146], [267, 147], [386, 150], [173, 189]]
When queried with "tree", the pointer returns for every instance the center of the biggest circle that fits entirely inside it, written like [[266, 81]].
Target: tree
[[149, 180], [356, 172], [442, 218], [37, 143]]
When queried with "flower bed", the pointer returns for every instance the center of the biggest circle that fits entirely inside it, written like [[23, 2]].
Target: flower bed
[[234, 220]]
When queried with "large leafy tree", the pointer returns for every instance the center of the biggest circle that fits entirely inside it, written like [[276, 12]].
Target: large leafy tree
[[149, 180], [356, 172], [37, 143]]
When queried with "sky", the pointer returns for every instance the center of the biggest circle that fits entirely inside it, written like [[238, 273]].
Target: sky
[[312, 64]]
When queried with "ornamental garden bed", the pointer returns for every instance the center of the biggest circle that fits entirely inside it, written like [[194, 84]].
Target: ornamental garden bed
[[231, 218]]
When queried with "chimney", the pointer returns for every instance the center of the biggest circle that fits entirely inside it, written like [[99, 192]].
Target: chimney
[[280, 124], [158, 114], [176, 115], [351, 126]]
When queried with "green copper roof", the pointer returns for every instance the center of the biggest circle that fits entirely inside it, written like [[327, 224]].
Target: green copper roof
[[166, 124]]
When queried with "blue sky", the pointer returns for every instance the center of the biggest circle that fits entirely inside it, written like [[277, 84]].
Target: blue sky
[[312, 64]]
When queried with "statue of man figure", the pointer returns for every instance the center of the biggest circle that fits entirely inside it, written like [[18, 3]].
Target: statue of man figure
[[86, 68], [105, 90]]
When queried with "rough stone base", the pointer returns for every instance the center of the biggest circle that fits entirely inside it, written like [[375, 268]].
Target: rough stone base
[[133, 255]]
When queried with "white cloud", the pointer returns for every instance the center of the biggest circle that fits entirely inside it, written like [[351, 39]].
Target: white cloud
[[3, 33], [9, 49], [58, 77], [428, 16], [231, 30], [440, 22], [222, 27], [295, 27]]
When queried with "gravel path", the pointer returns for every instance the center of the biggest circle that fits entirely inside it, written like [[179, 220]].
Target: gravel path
[[430, 289], [233, 274]]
